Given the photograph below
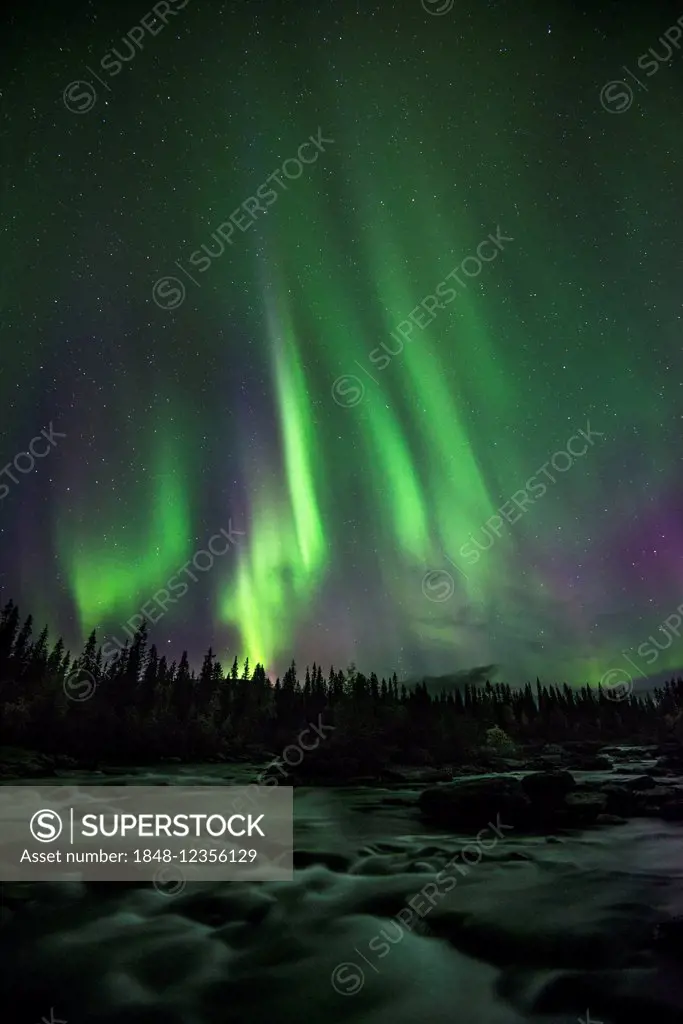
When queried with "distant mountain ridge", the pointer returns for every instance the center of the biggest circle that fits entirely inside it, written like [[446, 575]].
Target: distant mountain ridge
[[478, 675]]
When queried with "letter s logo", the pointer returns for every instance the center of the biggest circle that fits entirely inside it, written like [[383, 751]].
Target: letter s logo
[[46, 826]]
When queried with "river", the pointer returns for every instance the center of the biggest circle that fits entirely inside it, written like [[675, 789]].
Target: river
[[534, 929]]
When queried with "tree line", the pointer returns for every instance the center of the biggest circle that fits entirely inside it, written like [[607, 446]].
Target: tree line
[[138, 707]]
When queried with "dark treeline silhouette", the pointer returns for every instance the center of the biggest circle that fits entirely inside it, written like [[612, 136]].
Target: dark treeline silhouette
[[139, 708]]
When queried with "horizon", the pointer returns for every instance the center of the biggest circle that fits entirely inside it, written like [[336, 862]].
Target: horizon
[[620, 682]]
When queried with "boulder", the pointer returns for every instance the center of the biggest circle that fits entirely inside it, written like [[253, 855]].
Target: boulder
[[551, 754], [582, 809], [672, 761], [640, 783], [553, 750], [473, 804], [620, 800], [548, 787], [668, 936], [591, 763], [671, 811], [391, 775]]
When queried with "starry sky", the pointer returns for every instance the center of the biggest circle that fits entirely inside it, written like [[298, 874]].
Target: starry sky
[[346, 281]]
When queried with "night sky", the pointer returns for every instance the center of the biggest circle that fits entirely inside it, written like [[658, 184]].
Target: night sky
[[447, 246]]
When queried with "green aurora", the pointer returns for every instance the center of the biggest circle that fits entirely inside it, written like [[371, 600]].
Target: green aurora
[[305, 392]]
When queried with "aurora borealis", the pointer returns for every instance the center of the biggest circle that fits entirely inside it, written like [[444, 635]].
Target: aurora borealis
[[357, 380]]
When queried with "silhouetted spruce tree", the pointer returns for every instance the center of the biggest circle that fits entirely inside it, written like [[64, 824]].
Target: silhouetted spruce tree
[[206, 682], [20, 654], [183, 689], [55, 659], [9, 627], [149, 697]]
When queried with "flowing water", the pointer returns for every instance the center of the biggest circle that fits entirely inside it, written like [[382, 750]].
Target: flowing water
[[534, 929]]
